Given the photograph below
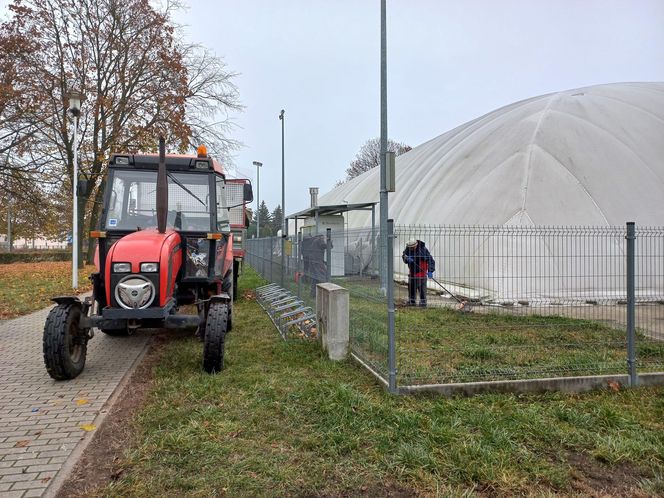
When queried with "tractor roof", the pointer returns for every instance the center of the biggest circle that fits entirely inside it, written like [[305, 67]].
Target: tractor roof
[[174, 162]]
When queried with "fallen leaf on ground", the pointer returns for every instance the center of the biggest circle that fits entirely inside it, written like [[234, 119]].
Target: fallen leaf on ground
[[22, 444], [88, 427], [46, 479], [80, 402], [614, 386]]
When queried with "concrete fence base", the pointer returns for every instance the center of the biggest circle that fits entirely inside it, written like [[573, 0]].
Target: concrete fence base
[[563, 384], [332, 308]]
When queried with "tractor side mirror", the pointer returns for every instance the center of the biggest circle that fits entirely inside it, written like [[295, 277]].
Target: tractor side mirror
[[248, 193], [83, 188]]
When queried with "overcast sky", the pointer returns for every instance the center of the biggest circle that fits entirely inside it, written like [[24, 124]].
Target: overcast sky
[[448, 62]]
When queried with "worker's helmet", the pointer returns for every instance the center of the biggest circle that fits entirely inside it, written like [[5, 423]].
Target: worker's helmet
[[411, 243]]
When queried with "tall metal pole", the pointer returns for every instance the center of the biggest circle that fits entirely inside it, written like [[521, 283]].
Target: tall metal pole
[[386, 226], [75, 220], [258, 198], [383, 145], [258, 202], [284, 231]]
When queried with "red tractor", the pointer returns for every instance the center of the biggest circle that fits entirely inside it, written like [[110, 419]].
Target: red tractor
[[165, 241]]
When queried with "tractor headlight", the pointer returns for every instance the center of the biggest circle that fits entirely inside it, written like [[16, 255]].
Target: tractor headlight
[[149, 267], [121, 267]]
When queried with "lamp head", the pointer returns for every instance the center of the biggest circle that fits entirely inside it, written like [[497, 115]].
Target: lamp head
[[281, 114], [259, 164], [75, 98]]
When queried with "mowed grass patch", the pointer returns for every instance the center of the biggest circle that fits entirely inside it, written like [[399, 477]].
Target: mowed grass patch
[[281, 420], [27, 287]]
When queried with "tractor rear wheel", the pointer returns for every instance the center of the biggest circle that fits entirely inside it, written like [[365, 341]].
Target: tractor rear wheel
[[236, 273], [215, 338], [65, 344], [228, 286]]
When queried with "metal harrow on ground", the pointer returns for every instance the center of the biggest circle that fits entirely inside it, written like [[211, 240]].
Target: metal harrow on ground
[[286, 310]]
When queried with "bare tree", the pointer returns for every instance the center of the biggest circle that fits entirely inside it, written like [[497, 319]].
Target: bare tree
[[368, 157]]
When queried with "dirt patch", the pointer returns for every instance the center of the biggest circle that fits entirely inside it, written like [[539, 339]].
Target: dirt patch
[[249, 295], [101, 460], [595, 479]]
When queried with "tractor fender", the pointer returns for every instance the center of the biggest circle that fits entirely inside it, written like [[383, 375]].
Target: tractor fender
[[221, 298], [67, 300], [85, 322]]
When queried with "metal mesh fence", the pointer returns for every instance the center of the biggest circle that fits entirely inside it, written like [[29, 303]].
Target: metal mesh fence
[[503, 302], [514, 302]]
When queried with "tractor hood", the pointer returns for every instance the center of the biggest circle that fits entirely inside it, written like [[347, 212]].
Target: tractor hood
[[147, 246], [143, 246]]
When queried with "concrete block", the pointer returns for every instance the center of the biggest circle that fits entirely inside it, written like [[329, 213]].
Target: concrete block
[[332, 317]]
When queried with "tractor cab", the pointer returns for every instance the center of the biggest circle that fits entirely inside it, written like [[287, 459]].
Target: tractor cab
[[164, 241]]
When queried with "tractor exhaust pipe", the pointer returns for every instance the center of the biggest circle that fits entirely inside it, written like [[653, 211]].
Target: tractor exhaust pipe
[[162, 188]]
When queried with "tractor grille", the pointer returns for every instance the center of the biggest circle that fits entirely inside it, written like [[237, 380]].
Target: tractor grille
[[117, 278]]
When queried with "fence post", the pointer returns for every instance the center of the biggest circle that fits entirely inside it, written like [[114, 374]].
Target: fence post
[[271, 253], [328, 254], [631, 304], [389, 282], [297, 264]]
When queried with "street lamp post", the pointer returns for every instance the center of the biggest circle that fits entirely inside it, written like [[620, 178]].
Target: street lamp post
[[284, 226], [9, 225], [258, 198], [75, 99]]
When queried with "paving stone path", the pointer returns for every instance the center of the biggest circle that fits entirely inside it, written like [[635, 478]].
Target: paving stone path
[[40, 419]]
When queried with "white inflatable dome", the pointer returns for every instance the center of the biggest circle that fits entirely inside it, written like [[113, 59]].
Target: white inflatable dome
[[590, 156], [587, 157]]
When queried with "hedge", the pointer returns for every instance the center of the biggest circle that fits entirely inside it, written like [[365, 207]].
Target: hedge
[[33, 257]]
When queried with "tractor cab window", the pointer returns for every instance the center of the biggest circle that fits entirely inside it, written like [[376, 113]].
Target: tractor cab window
[[133, 201]]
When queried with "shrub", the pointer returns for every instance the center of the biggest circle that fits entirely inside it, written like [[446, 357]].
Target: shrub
[[34, 256]]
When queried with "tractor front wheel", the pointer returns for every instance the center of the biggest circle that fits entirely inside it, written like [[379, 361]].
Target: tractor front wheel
[[65, 344], [215, 338]]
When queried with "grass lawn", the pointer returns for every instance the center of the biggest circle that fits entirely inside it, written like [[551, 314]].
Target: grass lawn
[[283, 421], [26, 287]]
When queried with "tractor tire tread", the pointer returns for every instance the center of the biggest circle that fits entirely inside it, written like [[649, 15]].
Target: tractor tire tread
[[215, 338], [56, 357]]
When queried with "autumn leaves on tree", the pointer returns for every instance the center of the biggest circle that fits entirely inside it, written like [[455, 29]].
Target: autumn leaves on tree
[[140, 81]]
